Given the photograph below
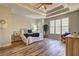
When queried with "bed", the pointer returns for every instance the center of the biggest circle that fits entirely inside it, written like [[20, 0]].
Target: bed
[[31, 39]]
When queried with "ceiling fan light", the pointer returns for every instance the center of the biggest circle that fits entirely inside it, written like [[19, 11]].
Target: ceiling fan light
[[42, 6]]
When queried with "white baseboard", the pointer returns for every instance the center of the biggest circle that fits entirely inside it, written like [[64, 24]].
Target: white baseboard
[[4, 45]]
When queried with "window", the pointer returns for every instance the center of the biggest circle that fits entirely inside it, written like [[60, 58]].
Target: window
[[65, 25], [52, 27], [59, 26]]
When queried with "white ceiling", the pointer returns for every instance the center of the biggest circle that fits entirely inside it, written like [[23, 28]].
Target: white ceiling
[[29, 10], [24, 10]]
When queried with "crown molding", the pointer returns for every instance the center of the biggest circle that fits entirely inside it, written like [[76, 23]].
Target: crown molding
[[30, 9], [67, 12]]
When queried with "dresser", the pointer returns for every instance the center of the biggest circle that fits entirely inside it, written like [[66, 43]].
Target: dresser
[[72, 45]]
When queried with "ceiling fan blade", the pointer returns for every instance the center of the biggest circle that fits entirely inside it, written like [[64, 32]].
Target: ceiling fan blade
[[49, 3], [39, 6], [45, 7], [46, 3]]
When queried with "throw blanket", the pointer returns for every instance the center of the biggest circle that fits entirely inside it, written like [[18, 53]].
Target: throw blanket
[[33, 35]]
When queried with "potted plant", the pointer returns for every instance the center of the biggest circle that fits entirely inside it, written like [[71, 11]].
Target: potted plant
[[45, 29]]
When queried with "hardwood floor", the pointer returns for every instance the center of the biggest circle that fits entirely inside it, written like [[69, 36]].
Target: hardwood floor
[[47, 47]]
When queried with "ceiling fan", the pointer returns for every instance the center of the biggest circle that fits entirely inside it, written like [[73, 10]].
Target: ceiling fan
[[43, 5]]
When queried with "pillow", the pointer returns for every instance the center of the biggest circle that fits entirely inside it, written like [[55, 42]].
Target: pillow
[[29, 31], [66, 33], [35, 34]]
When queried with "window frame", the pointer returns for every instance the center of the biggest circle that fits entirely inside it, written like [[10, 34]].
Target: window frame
[[67, 23], [60, 25], [54, 28]]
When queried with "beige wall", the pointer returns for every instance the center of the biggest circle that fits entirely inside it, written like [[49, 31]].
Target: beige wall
[[73, 23], [19, 22], [14, 23], [40, 23], [5, 33]]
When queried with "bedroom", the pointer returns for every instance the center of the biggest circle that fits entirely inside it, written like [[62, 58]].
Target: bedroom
[[21, 17]]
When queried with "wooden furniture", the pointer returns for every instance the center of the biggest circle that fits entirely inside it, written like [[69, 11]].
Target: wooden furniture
[[62, 38], [72, 45]]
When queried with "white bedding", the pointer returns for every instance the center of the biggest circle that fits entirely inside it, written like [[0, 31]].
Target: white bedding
[[30, 39]]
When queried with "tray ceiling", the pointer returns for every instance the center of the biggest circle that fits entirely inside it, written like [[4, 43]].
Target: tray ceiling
[[30, 10]]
